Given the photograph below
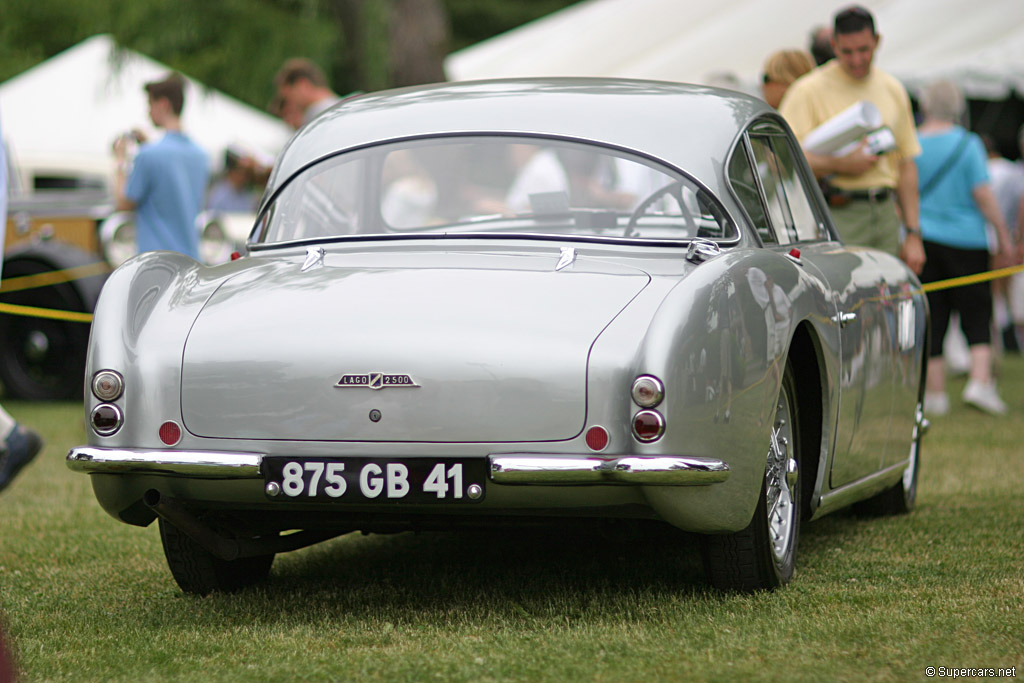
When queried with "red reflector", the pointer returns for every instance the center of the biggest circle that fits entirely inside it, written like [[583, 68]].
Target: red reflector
[[235, 255], [597, 438], [170, 433]]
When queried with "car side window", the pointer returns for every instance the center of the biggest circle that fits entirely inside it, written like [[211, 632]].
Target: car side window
[[745, 186], [770, 173], [805, 222]]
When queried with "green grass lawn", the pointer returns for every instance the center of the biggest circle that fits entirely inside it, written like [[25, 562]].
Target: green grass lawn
[[84, 597]]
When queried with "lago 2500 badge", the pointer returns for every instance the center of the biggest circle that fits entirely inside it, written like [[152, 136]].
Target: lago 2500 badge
[[376, 381]]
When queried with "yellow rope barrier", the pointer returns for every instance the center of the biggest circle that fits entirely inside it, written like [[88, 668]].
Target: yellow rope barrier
[[33, 312], [972, 279], [948, 284], [52, 277], [46, 279]]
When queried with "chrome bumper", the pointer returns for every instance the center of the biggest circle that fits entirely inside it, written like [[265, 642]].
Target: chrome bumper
[[658, 470], [199, 464], [515, 468]]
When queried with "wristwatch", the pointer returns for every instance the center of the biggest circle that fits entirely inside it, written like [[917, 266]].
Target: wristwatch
[[912, 231]]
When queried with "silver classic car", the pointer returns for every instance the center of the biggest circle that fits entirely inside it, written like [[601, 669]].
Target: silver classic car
[[501, 302]]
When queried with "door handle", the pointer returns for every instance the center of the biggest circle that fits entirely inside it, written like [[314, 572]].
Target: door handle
[[843, 319]]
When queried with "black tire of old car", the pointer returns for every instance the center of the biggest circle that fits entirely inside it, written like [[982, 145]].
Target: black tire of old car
[[197, 570], [41, 358], [762, 555]]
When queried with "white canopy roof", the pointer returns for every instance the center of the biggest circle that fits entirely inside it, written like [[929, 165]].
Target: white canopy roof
[[979, 44], [64, 114]]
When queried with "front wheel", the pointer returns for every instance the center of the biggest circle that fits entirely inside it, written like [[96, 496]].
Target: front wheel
[[762, 556], [197, 570]]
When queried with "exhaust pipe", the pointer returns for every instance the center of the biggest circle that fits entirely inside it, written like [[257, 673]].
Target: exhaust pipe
[[229, 549]]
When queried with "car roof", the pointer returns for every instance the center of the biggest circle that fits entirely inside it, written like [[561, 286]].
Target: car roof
[[690, 127]]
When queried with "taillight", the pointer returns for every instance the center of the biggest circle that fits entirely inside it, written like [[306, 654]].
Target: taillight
[[648, 425], [107, 385], [647, 391], [106, 419]]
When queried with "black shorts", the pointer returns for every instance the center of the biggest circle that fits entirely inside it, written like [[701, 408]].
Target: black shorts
[[973, 302]]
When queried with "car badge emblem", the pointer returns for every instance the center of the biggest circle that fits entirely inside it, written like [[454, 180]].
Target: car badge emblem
[[376, 381]]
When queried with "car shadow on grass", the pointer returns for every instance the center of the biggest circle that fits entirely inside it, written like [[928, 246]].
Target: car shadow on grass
[[563, 570], [528, 568]]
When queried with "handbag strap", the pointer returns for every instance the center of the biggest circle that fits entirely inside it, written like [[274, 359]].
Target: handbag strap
[[946, 166]]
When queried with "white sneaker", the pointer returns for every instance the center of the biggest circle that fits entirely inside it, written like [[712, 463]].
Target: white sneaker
[[936, 403], [984, 397]]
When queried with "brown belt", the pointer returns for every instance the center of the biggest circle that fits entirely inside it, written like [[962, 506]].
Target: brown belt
[[837, 197]]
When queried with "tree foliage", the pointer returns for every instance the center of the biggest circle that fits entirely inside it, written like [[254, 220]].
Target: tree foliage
[[236, 46]]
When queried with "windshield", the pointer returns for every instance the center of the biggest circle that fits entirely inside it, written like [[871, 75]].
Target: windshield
[[492, 184]]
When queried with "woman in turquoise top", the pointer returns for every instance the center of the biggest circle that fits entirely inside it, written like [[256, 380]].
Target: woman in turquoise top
[[956, 200]]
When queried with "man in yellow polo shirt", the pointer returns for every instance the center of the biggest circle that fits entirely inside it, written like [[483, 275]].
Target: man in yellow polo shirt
[[868, 186]]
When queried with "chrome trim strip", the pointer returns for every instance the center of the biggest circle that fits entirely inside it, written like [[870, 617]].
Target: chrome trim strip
[[200, 464], [540, 469], [668, 470], [848, 494]]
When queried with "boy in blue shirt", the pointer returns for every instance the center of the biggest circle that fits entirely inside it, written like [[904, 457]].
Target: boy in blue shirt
[[168, 178]]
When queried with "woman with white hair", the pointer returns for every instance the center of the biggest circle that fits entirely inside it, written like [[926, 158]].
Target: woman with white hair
[[956, 200]]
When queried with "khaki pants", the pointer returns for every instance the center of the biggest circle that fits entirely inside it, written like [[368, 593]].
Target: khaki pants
[[869, 223]]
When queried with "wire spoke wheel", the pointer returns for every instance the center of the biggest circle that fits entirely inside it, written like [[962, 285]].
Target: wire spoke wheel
[[762, 556], [780, 482]]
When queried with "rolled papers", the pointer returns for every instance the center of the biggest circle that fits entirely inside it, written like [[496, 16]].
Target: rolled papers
[[876, 142], [848, 126]]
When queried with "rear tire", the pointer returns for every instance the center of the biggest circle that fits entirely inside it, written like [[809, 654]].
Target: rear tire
[[762, 556], [197, 570], [900, 498]]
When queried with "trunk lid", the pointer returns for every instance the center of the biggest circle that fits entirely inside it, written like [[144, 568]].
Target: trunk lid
[[497, 346]]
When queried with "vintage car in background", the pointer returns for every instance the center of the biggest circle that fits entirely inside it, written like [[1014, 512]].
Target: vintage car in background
[[501, 302], [63, 237], [53, 268]]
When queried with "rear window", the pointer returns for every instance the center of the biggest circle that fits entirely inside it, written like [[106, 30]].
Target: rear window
[[492, 185]]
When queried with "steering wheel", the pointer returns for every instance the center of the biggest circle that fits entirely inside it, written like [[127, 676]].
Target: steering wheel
[[673, 190]]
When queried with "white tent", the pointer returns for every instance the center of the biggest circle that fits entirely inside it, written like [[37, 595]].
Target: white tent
[[63, 115], [979, 44]]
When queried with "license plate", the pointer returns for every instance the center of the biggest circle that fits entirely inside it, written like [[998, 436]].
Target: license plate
[[376, 480]]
